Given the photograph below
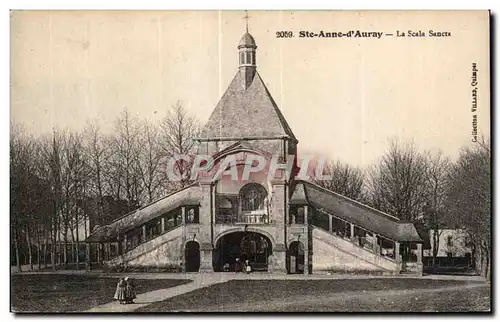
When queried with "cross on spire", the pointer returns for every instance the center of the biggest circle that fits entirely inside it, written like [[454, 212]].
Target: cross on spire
[[246, 17]]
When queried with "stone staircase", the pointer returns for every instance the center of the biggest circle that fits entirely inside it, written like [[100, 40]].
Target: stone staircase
[[334, 253], [154, 252]]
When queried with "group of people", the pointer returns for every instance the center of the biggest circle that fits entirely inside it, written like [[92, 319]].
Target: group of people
[[125, 291], [238, 267]]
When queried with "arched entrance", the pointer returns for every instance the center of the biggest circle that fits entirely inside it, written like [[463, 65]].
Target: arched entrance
[[295, 258], [250, 246], [192, 255]]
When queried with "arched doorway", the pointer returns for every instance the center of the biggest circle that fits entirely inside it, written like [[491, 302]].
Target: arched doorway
[[250, 246], [295, 258], [192, 255]]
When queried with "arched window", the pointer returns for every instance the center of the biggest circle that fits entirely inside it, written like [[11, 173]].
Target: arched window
[[242, 58], [253, 197], [249, 59]]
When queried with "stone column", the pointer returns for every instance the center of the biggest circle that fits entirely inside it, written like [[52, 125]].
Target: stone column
[[375, 244], [397, 256], [125, 242], [420, 266], [205, 228], [306, 243], [88, 257], [279, 214], [330, 223], [183, 238], [99, 255], [162, 224], [352, 233], [206, 264], [143, 237], [279, 259]]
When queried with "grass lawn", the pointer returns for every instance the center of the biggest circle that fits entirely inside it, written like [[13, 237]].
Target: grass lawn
[[64, 293], [351, 295]]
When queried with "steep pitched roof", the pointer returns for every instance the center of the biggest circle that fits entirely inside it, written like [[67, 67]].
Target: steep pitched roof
[[354, 212], [247, 113]]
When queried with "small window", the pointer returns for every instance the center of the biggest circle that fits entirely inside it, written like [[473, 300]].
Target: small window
[[449, 254], [300, 216], [248, 57], [192, 215], [242, 58]]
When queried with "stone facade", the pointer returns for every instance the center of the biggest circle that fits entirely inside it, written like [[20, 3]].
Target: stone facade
[[251, 216]]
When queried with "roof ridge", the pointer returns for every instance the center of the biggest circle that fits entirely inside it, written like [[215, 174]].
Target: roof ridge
[[283, 123]]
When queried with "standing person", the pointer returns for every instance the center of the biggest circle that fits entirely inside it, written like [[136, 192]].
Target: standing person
[[248, 268], [129, 291], [120, 291], [237, 266]]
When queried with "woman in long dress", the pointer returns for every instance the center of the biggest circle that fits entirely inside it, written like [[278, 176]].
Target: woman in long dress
[[120, 291], [129, 290]]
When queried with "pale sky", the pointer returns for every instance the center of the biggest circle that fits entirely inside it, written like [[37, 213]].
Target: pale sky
[[343, 98]]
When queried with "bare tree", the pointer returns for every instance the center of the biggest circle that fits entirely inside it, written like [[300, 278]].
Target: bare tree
[[123, 171], [397, 184], [97, 154], [178, 129], [469, 200], [436, 175], [345, 179], [149, 160], [20, 148]]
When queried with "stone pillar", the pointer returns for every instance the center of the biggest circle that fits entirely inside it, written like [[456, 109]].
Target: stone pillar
[[279, 214], [99, 253], [183, 238], [205, 228], [420, 266], [162, 224], [330, 223], [352, 233], [306, 243], [88, 256], [125, 243], [279, 259], [375, 244], [206, 264], [143, 236], [397, 256], [206, 213]]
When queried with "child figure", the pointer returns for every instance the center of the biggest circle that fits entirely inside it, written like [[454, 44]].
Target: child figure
[[248, 268], [120, 291], [129, 291]]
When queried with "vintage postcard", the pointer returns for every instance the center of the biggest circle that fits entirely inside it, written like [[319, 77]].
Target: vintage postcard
[[250, 161]]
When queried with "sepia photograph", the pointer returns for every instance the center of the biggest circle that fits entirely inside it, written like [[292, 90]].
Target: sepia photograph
[[250, 161]]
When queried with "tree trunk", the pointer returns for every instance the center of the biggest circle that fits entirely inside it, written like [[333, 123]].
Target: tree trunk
[[38, 248], [30, 255], [16, 246], [65, 250], [45, 253], [53, 233]]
